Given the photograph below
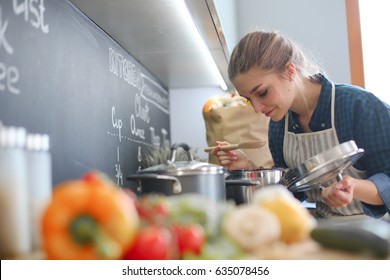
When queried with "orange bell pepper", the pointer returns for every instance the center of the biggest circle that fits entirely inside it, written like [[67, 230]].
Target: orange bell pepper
[[88, 218]]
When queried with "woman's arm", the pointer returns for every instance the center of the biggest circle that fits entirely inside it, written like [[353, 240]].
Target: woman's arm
[[341, 193], [373, 192]]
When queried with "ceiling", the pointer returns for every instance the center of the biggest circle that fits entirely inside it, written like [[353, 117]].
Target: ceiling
[[157, 35]]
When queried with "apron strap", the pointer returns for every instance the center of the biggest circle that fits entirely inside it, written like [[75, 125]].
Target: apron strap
[[332, 105]]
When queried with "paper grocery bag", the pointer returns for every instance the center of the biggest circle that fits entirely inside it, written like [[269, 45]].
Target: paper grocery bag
[[239, 124]]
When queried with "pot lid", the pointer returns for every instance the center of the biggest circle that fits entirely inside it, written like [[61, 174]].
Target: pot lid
[[322, 167], [182, 168]]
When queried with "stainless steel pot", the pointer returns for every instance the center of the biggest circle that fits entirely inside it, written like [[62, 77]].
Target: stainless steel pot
[[256, 178], [172, 178]]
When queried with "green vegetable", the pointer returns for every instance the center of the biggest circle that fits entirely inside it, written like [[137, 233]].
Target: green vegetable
[[364, 236]]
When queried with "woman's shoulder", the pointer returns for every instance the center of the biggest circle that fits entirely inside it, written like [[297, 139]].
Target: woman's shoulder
[[353, 101], [347, 93], [355, 95], [355, 91]]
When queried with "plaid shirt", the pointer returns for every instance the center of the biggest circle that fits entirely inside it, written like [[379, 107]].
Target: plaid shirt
[[359, 116]]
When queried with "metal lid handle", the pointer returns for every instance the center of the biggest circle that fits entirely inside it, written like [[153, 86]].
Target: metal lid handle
[[185, 147]]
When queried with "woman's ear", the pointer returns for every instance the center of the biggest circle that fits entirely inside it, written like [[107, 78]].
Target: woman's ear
[[291, 71]]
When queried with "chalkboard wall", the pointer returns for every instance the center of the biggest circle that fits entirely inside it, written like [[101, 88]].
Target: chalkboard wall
[[61, 75]]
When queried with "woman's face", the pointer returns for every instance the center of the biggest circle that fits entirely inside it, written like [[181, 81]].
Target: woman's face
[[269, 93]]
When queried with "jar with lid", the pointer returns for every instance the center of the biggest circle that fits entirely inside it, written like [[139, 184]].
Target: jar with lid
[[15, 240]]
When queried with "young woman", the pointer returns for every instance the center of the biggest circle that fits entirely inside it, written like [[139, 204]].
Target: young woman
[[310, 114]]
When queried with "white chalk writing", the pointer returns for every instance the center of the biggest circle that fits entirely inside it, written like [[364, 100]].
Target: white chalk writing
[[155, 139], [9, 76], [3, 40], [34, 12], [138, 132], [116, 123], [149, 93], [141, 111], [124, 68], [118, 170]]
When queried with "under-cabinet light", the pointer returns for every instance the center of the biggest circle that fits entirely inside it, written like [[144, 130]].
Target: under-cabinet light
[[184, 9]]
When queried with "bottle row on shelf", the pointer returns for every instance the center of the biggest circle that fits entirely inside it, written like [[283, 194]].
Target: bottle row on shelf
[[25, 188]]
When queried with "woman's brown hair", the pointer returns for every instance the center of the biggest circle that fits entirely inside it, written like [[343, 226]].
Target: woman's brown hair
[[269, 51]]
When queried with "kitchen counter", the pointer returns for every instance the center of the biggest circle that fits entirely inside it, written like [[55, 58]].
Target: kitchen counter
[[307, 250]]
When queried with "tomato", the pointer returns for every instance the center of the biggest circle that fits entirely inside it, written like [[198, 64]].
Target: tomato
[[190, 238], [153, 208], [152, 242]]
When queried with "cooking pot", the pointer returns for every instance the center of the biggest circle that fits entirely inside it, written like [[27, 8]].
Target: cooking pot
[[177, 177], [243, 193]]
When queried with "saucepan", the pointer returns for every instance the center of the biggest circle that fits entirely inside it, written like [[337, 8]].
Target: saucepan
[[179, 177], [186, 176], [260, 178]]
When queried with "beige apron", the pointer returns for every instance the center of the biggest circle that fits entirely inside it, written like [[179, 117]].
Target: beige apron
[[299, 147]]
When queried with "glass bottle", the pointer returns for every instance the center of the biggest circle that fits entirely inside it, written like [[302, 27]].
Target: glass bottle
[[39, 179]]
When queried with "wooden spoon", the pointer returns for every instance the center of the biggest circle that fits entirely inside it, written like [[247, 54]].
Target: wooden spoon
[[243, 145]]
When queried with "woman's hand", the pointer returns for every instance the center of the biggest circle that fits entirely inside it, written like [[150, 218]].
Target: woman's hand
[[339, 194], [232, 160]]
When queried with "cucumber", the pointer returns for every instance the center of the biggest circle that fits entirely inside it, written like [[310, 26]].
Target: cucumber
[[363, 236]]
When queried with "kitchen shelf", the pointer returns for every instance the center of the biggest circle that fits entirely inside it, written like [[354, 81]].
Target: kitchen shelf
[[154, 33]]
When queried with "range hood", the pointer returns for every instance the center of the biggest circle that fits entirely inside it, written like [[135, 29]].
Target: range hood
[[155, 34]]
